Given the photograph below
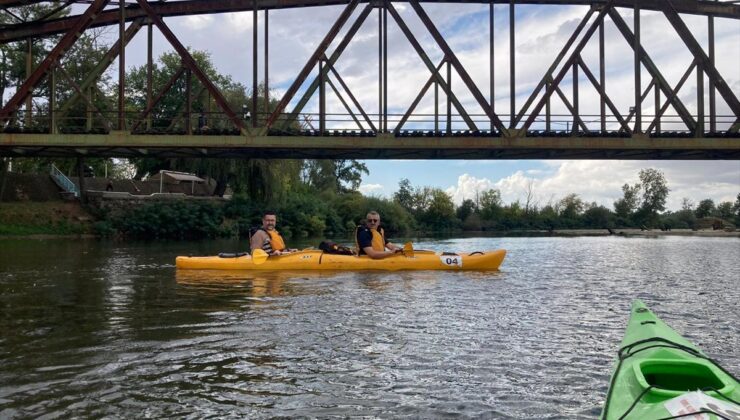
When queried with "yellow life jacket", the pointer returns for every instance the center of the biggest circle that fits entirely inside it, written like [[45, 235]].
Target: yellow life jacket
[[276, 241], [378, 240]]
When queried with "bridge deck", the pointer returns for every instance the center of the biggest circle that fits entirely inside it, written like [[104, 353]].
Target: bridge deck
[[384, 146]]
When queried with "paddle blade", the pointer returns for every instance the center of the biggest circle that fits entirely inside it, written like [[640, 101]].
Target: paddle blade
[[408, 249], [259, 256]]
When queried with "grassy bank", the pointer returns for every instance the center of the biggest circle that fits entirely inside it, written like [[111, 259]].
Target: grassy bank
[[44, 218]]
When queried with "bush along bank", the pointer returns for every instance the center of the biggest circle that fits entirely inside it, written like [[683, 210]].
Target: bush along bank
[[300, 215]]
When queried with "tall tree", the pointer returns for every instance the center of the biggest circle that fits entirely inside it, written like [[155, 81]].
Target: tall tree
[[467, 207], [626, 206], [571, 206], [705, 208], [340, 176], [405, 194], [491, 204], [654, 190]]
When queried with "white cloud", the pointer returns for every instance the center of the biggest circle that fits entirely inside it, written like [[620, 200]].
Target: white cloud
[[468, 187], [198, 22], [602, 181], [371, 189]]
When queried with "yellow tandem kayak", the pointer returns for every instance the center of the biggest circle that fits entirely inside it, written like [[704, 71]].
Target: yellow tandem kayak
[[319, 260]]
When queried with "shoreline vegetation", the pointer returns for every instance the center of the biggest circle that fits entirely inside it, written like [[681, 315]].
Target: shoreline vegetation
[[333, 208], [70, 220]]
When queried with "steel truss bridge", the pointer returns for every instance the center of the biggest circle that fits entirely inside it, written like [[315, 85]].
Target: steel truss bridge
[[283, 129]]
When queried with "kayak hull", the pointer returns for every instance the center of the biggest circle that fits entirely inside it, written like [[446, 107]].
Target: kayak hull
[[659, 371], [318, 260]]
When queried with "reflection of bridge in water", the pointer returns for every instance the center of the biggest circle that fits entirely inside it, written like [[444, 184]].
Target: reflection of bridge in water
[[550, 123]]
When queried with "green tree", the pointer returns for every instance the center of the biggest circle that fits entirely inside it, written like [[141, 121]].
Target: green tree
[[440, 213], [596, 216], [467, 207], [705, 208], [341, 175], [626, 206], [724, 211], [405, 194], [654, 192], [571, 206], [491, 205], [13, 54]]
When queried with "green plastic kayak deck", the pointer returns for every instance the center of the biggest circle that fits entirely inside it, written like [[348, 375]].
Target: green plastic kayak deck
[[661, 375]]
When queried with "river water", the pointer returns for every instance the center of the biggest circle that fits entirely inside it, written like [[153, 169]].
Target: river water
[[93, 329]]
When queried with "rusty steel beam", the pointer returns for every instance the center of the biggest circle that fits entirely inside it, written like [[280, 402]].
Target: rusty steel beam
[[79, 91], [317, 54], [267, 57], [383, 147], [705, 64], [103, 65], [332, 59], [576, 118], [605, 98], [574, 55], [637, 59], [255, 42], [453, 60], [653, 70], [189, 62], [418, 98], [322, 97], [349, 93], [602, 78], [554, 65], [659, 112], [512, 63], [122, 66], [62, 46], [491, 66], [642, 99], [344, 103], [181, 109], [160, 95], [430, 66], [380, 70], [197, 7]]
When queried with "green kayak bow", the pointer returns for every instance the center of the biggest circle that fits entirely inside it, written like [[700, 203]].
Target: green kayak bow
[[661, 375]]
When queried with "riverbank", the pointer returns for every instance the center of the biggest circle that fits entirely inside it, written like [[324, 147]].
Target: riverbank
[[63, 219], [45, 219]]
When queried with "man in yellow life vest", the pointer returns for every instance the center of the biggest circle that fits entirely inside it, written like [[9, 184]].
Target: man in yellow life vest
[[267, 238], [371, 239]]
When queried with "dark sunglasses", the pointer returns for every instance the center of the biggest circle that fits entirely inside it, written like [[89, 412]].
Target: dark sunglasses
[[373, 220]]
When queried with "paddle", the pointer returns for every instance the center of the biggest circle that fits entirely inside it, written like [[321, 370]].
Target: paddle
[[259, 256], [408, 250]]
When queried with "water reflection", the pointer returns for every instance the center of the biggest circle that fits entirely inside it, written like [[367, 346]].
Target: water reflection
[[95, 329]]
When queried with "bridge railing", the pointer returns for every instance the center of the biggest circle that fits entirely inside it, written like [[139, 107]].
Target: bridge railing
[[217, 123]]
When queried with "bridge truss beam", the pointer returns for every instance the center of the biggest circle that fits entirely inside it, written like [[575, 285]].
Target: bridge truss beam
[[277, 122]]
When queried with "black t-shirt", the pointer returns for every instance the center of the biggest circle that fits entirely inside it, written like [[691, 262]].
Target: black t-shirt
[[365, 239]]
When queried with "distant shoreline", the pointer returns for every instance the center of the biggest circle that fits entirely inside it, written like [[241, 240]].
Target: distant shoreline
[[626, 233]]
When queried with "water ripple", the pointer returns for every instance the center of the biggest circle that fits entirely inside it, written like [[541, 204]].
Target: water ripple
[[115, 331]]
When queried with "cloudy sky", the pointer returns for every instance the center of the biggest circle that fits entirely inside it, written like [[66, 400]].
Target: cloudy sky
[[541, 31]]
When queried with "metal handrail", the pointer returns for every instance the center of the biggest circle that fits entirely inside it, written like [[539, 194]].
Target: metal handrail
[[65, 183]]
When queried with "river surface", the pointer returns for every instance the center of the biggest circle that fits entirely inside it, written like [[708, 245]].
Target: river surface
[[99, 329]]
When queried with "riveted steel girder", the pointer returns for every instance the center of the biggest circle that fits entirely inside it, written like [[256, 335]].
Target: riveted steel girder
[[196, 7], [382, 147]]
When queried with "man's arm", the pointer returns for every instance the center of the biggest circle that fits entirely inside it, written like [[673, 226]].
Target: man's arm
[[258, 239], [377, 255]]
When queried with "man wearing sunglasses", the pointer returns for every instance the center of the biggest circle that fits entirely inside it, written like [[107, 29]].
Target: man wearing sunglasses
[[371, 239]]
